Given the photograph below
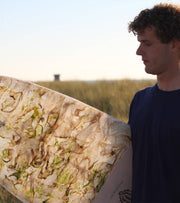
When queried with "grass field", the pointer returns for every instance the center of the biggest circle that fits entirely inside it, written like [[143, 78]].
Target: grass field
[[112, 97], [6, 197]]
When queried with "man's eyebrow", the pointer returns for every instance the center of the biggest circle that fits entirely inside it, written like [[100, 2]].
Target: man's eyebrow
[[144, 40]]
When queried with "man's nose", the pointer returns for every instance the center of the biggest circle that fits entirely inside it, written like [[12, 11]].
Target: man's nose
[[139, 51]]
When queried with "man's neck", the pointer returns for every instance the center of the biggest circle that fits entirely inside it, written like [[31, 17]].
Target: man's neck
[[169, 82]]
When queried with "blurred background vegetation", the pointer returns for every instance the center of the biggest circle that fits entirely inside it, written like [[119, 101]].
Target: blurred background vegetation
[[6, 197], [112, 97]]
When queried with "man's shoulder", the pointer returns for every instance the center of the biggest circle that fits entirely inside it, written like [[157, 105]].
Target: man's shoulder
[[146, 91]]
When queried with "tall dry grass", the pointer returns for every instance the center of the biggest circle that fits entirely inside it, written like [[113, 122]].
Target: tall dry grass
[[6, 197], [112, 97]]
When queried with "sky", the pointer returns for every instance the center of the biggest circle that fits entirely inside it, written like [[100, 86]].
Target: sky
[[78, 39]]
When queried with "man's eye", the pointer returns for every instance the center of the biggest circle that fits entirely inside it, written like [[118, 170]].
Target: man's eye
[[148, 44]]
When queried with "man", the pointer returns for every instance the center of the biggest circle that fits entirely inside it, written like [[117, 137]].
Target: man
[[155, 111]]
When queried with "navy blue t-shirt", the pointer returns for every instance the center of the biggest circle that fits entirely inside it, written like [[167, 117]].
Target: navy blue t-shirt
[[155, 126]]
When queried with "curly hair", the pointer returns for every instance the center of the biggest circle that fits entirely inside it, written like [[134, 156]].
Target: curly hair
[[165, 18]]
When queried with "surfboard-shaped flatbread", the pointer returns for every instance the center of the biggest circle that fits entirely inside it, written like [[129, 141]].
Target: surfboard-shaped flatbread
[[54, 148]]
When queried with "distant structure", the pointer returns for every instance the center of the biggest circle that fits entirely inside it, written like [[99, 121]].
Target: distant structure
[[56, 77]]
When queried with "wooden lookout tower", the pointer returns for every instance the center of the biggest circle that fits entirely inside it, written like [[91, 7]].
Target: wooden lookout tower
[[56, 77]]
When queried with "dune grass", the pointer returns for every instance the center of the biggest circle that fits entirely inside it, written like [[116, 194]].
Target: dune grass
[[112, 97], [6, 197]]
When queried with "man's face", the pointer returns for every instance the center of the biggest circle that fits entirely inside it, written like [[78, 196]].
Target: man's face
[[155, 54]]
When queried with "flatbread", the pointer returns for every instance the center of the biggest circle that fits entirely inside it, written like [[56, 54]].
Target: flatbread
[[54, 148]]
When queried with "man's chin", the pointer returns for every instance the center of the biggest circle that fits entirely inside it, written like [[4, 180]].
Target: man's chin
[[149, 71]]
